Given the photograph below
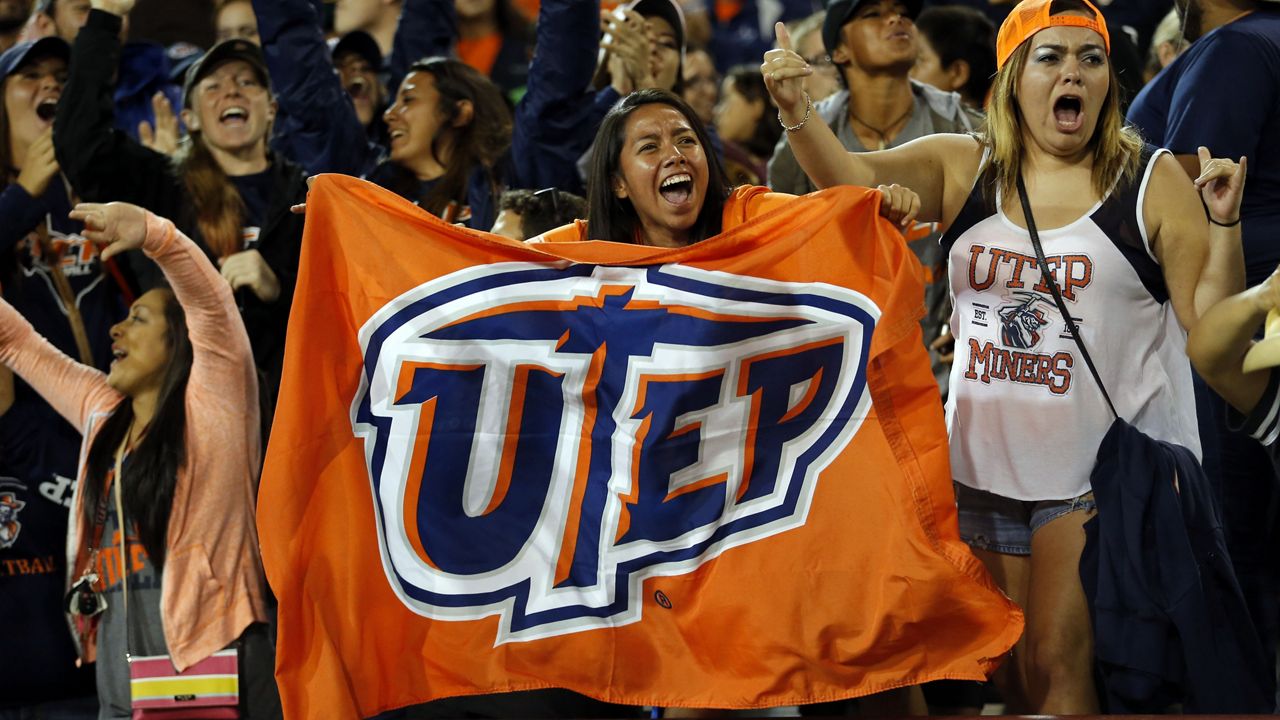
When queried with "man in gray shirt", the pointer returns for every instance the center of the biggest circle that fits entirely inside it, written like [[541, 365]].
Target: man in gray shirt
[[873, 44]]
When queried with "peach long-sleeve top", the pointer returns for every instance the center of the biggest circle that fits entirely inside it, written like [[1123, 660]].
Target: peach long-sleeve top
[[212, 584]]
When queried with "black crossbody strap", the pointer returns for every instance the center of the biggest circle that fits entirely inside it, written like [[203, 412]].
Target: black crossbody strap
[[1057, 294]]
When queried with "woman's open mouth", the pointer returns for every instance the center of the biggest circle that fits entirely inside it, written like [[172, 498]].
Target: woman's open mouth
[[1068, 112], [677, 189], [47, 109]]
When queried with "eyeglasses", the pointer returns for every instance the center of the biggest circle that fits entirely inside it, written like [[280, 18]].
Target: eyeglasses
[[819, 61]]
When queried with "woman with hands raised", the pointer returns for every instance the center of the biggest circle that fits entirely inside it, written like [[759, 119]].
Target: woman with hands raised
[[175, 423], [1138, 257], [223, 187]]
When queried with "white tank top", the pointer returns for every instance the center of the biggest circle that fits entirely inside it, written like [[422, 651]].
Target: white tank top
[[1025, 416]]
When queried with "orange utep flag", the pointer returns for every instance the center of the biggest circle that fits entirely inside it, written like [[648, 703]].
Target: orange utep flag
[[713, 476]]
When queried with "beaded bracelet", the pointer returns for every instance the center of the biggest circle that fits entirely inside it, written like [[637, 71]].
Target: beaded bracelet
[[808, 108]]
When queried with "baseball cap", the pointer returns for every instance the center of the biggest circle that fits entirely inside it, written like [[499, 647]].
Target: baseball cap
[[839, 12], [225, 51], [667, 10], [361, 43], [17, 56], [1031, 16]]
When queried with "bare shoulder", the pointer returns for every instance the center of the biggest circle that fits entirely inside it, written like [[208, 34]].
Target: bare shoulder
[[1169, 196]]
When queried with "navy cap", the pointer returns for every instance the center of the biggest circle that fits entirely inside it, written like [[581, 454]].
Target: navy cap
[[840, 11], [18, 55], [361, 43], [225, 51]]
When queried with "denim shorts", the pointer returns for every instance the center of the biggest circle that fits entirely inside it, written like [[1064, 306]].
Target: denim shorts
[[1004, 525]]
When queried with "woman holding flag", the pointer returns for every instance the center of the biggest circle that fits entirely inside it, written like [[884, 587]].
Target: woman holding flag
[[654, 180], [166, 555], [1136, 258]]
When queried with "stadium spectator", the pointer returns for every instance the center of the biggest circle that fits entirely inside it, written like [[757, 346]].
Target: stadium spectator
[[224, 187], [172, 433], [234, 19], [957, 52], [449, 130], [1054, 117], [523, 214], [748, 128], [670, 191], [643, 47], [376, 17], [314, 126], [873, 44], [143, 73], [51, 275], [701, 84], [359, 64]]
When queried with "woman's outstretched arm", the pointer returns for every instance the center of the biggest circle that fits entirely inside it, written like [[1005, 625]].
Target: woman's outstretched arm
[[932, 166]]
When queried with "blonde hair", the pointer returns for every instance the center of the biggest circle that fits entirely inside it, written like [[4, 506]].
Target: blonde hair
[[1117, 148]]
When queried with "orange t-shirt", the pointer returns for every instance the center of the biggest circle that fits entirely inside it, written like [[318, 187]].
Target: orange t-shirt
[[480, 53]]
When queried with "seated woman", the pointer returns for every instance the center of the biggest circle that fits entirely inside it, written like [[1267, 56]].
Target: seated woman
[[177, 420], [654, 181]]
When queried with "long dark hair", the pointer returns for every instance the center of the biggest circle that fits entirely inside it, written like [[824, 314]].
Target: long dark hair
[[612, 218], [154, 463], [479, 143]]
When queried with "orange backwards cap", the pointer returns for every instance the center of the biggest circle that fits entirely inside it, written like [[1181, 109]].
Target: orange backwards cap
[[1032, 16]]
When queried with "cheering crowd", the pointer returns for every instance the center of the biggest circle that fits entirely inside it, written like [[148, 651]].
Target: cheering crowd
[[1092, 192]]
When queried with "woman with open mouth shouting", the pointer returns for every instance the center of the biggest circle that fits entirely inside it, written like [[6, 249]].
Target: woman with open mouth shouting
[[1127, 241], [166, 555], [223, 187], [655, 181]]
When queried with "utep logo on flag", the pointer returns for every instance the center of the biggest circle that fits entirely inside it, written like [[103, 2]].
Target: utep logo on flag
[[541, 438]]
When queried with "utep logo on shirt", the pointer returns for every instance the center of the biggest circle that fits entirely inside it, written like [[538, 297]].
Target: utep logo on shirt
[[541, 438]]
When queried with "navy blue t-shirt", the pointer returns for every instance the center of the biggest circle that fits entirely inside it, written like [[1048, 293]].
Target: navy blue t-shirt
[[255, 191], [1224, 93]]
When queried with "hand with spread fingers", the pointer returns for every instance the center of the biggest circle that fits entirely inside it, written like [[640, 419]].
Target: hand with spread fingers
[[163, 137], [1221, 186], [784, 72], [40, 166], [249, 269], [898, 204], [119, 226]]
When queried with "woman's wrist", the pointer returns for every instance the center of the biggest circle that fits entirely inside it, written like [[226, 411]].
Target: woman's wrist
[[794, 119]]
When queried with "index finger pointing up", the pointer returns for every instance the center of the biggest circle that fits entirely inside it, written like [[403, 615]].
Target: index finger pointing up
[[784, 37]]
